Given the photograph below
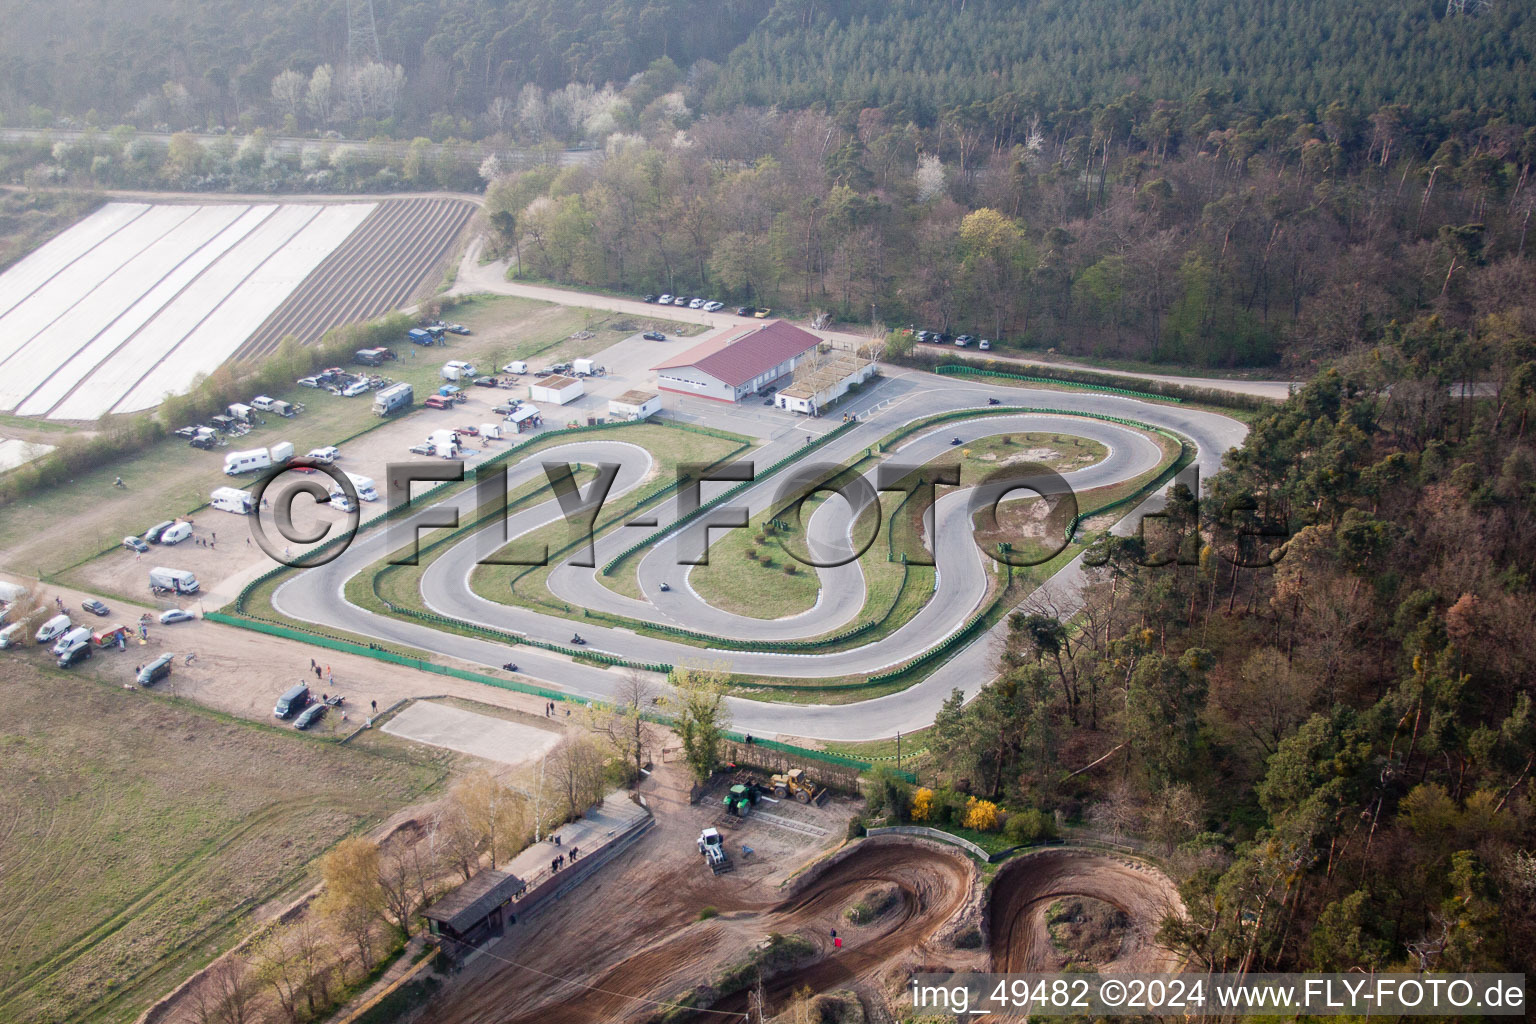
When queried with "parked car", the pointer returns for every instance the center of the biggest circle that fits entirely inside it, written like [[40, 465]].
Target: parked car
[[309, 382], [487, 382], [468, 431], [95, 607], [309, 716], [695, 303], [75, 654], [654, 336], [436, 402], [423, 449], [680, 301], [745, 310], [710, 307], [964, 340], [647, 298], [762, 314], [354, 389], [329, 454], [985, 345], [155, 670], [768, 400], [665, 300], [135, 544], [457, 329], [153, 533], [175, 615]]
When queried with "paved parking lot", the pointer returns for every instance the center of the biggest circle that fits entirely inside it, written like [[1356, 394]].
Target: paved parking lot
[[495, 739]]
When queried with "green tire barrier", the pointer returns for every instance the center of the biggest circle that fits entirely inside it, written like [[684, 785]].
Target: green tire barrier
[[381, 654], [953, 369], [960, 636]]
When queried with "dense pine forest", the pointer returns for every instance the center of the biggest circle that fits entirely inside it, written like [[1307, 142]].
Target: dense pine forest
[[1311, 692], [466, 62]]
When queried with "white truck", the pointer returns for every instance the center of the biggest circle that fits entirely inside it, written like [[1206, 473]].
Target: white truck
[[458, 369], [281, 453], [236, 463], [172, 581], [232, 499]]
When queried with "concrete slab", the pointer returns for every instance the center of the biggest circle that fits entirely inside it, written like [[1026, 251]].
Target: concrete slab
[[495, 739]]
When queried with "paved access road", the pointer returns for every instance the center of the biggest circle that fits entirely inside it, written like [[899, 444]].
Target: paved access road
[[317, 596]]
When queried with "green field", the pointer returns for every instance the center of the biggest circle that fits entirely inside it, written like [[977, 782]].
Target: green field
[[139, 831]]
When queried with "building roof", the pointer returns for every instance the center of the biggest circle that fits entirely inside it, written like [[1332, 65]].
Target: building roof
[[467, 905], [558, 382], [738, 356], [636, 397], [837, 368], [523, 412]]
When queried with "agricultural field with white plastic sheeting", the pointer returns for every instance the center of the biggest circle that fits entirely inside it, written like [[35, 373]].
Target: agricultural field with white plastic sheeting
[[138, 300]]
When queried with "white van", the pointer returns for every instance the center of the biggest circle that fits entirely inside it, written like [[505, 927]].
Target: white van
[[11, 635], [236, 463], [516, 366], [327, 455], [77, 635], [176, 534], [53, 628], [457, 369], [264, 403]]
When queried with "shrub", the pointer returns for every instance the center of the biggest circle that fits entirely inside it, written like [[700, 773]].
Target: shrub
[[857, 827], [706, 913], [1028, 826], [751, 555], [980, 815], [922, 804], [790, 568]]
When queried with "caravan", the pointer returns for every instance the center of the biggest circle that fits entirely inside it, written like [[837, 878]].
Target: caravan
[[365, 487], [232, 499], [236, 463]]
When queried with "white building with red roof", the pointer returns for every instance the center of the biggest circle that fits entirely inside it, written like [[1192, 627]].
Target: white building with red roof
[[732, 366]]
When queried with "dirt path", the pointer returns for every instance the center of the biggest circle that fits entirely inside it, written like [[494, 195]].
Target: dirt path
[[1026, 888]]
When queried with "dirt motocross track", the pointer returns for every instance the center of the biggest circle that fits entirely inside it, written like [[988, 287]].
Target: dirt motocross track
[[1028, 886], [672, 950]]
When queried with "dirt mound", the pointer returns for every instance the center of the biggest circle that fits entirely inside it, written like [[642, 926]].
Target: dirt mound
[[669, 953], [1026, 888]]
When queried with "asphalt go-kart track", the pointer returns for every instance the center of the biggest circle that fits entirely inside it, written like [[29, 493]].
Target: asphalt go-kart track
[[317, 596]]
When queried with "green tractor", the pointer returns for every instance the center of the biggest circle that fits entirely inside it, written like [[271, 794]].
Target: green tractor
[[739, 800]]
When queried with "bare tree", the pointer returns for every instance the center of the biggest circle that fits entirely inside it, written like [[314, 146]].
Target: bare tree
[[576, 767], [288, 91], [632, 732], [399, 874], [225, 995]]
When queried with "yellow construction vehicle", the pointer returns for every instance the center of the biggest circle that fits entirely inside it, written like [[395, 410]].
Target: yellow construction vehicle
[[794, 783]]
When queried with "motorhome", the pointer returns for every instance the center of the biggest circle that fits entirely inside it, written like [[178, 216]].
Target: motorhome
[[236, 463], [364, 486], [232, 499]]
